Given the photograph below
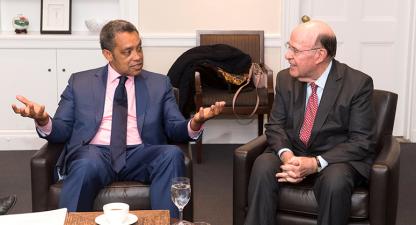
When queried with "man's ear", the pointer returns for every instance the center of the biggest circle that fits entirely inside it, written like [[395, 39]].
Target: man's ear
[[321, 55], [108, 55]]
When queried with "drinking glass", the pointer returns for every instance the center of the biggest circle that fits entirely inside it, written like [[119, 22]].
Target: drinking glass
[[180, 194]]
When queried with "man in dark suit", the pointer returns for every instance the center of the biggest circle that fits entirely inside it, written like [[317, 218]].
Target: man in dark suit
[[97, 151], [320, 129]]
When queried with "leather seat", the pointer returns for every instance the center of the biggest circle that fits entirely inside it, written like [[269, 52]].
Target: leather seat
[[375, 204]]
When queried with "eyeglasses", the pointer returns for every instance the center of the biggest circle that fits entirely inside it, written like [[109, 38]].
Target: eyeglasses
[[296, 51]]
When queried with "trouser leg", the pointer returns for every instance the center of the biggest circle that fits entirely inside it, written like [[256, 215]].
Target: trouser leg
[[263, 191], [157, 165], [89, 170], [333, 189]]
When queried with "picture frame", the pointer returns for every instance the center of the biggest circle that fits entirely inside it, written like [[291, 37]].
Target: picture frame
[[55, 17]]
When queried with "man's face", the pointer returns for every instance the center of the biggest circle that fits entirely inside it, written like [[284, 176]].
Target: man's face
[[300, 54], [127, 56]]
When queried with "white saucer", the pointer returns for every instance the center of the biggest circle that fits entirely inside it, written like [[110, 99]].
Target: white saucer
[[131, 218]]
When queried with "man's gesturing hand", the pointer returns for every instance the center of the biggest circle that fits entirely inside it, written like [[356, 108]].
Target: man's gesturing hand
[[205, 114], [31, 110]]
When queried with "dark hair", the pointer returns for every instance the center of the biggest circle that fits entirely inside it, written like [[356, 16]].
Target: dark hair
[[109, 31], [329, 42]]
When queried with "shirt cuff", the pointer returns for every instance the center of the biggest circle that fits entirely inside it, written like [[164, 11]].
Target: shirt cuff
[[280, 152], [323, 163], [194, 134], [44, 130]]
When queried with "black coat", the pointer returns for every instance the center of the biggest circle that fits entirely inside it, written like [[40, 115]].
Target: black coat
[[183, 69]]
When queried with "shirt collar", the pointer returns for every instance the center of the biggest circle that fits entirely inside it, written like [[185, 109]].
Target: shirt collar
[[322, 79], [113, 74]]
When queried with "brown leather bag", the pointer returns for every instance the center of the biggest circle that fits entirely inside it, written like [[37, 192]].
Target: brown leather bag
[[258, 75], [259, 78]]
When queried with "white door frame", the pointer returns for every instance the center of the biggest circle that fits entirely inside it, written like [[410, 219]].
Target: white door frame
[[410, 118], [290, 18]]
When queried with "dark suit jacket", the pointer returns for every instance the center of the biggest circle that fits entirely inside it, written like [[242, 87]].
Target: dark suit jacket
[[343, 130], [81, 109]]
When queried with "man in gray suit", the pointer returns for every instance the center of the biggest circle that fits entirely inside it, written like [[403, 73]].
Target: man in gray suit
[[320, 130]]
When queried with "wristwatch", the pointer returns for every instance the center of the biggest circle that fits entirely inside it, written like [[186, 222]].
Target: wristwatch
[[318, 163]]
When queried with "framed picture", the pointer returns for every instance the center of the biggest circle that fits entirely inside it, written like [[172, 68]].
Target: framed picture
[[55, 17]]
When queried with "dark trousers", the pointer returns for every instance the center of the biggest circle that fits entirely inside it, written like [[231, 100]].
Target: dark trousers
[[333, 188], [89, 170]]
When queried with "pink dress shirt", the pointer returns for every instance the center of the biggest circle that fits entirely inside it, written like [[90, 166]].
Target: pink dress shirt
[[103, 135]]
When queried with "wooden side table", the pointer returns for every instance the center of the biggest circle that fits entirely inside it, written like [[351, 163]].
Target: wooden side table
[[146, 217]]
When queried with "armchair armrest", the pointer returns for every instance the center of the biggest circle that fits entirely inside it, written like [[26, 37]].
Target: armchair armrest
[[198, 89], [384, 180], [244, 158], [270, 87], [269, 78], [42, 167]]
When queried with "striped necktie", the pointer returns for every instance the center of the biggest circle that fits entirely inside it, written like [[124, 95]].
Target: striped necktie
[[310, 114]]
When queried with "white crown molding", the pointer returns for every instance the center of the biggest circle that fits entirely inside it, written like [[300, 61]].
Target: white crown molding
[[36, 40], [20, 140], [189, 40], [272, 40], [87, 40]]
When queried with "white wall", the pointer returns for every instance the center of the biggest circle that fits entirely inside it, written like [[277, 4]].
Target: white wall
[[186, 16], [175, 25]]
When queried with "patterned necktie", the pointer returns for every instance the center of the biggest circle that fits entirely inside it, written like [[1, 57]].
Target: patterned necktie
[[310, 114], [119, 126]]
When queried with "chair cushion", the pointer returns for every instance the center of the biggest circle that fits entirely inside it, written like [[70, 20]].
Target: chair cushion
[[300, 199], [135, 194], [245, 98]]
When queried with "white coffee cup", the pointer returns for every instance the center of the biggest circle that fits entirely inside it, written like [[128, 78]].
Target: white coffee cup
[[116, 213]]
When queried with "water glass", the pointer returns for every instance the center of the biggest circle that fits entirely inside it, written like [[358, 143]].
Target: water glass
[[181, 194]]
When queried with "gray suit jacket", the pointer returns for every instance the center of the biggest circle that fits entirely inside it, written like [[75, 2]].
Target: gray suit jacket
[[343, 130]]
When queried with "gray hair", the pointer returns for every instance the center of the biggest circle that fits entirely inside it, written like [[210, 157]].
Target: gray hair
[[328, 42], [109, 31]]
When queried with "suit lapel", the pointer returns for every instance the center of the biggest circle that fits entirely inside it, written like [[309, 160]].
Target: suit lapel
[[142, 99], [99, 86], [299, 107], [329, 96]]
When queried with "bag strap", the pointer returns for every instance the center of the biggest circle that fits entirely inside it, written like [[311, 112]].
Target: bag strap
[[250, 74]]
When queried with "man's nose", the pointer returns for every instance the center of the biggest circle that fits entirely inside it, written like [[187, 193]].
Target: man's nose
[[288, 55], [137, 54]]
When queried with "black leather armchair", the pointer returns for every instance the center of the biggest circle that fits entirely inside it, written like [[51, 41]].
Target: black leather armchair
[[45, 192], [375, 204]]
